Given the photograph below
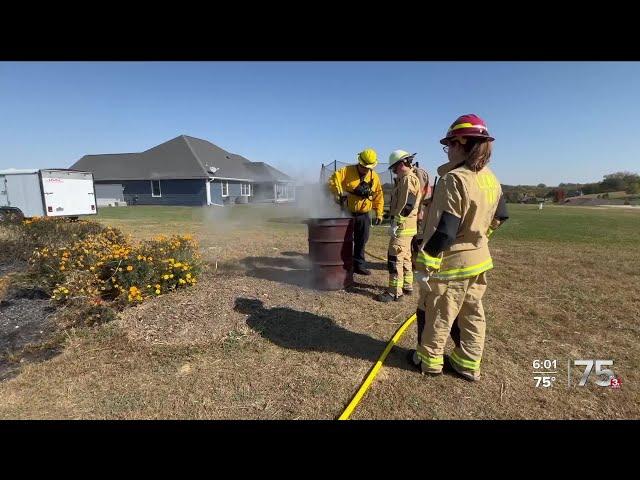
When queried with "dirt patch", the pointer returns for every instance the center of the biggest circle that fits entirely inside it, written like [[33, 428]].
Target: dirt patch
[[24, 324], [11, 266], [26, 329]]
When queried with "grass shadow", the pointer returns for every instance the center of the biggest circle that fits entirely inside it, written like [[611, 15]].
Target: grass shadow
[[293, 271], [361, 290], [303, 331], [376, 266]]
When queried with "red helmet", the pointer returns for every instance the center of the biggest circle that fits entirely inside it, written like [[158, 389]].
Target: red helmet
[[469, 125]]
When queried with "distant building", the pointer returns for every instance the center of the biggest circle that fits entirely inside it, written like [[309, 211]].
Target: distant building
[[574, 193], [185, 171]]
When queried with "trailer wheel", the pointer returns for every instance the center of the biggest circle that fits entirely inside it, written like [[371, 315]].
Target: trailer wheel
[[11, 215]]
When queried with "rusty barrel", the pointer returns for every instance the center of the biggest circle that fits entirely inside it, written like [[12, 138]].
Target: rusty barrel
[[331, 252]]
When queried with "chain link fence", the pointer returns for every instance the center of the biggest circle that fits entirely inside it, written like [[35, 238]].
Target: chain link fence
[[382, 169]]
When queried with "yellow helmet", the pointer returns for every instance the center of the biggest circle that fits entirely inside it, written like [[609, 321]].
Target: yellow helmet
[[368, 158]]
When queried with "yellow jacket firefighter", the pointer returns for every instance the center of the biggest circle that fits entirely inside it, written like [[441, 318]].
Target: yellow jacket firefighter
[[473, 198], [345, 182]]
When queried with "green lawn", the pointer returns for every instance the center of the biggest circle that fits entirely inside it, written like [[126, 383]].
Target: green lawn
[[150, 213], [599, 227], [602, 227]]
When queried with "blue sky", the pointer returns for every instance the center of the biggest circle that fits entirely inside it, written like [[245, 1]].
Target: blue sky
[[553, 121]]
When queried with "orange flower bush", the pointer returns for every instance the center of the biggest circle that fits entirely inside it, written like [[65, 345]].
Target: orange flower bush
[[99, 263]]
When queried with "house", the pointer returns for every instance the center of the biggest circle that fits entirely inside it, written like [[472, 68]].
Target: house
[[186, 171]]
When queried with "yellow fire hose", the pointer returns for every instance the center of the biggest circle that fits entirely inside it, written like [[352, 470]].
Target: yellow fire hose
[[375, 256], [374, 371]]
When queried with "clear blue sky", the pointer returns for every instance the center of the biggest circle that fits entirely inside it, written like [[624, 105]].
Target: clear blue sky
[[553, 121]]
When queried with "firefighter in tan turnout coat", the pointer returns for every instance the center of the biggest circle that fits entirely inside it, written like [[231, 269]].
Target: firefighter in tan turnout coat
[[403, 211], [466, 207]]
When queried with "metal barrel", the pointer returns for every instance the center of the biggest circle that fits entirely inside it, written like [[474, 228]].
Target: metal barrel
[[331, 252]]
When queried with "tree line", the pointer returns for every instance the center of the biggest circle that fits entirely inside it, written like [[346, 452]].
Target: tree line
[[614, 182]]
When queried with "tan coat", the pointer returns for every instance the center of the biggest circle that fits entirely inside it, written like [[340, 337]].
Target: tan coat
[[472, 197], [406, 185]]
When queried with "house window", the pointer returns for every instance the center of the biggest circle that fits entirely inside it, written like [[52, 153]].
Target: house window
[[155, 188], [225, 189], [284, 191], [245, 189]]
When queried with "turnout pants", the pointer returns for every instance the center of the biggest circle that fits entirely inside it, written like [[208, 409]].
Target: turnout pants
[[361, 227], [399, 265], [441, 303]]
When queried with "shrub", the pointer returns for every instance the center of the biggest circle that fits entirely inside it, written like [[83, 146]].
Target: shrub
[[88, 268], [107, 266]]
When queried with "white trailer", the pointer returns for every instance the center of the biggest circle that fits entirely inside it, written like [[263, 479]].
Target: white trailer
[[47, 193]]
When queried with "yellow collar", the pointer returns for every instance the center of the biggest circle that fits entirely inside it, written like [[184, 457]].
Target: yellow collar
[[447, 167]]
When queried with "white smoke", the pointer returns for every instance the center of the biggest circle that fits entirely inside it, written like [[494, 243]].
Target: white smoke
[[314, 200]]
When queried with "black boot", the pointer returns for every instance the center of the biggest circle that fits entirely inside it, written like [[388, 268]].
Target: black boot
[[411, 358], [388, 297]]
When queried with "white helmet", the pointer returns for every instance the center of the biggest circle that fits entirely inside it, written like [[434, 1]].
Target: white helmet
[[399, 156]]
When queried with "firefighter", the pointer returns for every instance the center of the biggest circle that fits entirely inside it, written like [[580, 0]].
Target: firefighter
[[403, 212], [426, 189], [357, 188], [467, 206]]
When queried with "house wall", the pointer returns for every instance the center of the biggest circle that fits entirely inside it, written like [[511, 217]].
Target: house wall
[[108, 194], [264, 192], [193, 192], [172, 192], [235, 195]]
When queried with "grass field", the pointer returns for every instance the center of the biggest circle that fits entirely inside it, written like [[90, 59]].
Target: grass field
[[252, 340]]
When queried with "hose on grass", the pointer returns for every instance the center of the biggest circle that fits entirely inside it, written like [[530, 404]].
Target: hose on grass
[[375, 256], [374, 371]]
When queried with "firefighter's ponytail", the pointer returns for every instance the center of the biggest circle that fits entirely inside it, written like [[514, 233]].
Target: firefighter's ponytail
[[477, 152]]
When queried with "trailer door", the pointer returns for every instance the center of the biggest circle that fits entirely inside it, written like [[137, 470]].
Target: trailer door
[[68, 193], [4, 198]]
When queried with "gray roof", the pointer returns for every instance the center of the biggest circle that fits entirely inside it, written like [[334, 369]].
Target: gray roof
[[262, 172], [183, 157]]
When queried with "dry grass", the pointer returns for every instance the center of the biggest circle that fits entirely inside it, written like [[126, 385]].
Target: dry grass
[[251, 341]]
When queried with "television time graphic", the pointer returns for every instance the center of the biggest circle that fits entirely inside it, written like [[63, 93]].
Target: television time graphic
[[601, 372], [545, 372]]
